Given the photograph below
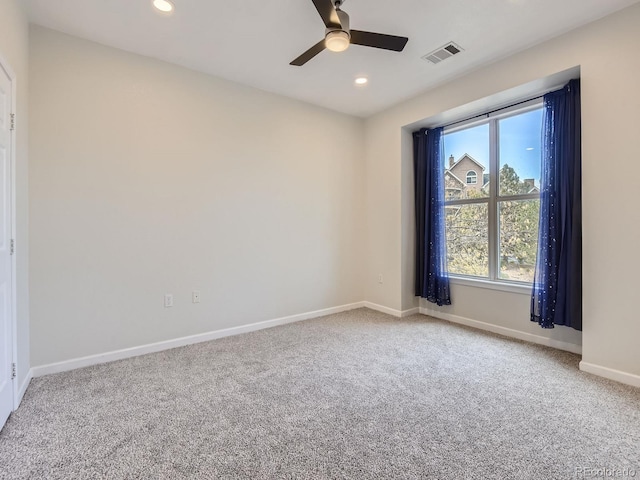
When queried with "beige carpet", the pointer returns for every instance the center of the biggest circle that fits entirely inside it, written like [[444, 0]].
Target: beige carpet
[[353, 395]]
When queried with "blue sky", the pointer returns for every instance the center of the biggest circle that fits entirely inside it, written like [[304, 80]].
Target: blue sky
[[520, 144]]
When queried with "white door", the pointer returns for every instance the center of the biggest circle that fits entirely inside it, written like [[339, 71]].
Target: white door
[[6, 320]]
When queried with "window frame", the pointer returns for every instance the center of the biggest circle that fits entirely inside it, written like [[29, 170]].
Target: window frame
[[474, 175], [494, 199]]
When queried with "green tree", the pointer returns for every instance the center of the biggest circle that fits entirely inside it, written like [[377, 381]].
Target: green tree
[[518, 228], [467, 239], [518, 238], [468, 230], [510, 183]]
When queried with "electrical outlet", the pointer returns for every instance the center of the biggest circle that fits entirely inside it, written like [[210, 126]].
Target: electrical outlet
[[195, 296], [380, 278], [168, 300]]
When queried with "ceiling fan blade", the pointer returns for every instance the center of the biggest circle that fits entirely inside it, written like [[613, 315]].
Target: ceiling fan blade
[[378, 40], [309, 54], [328, 13]]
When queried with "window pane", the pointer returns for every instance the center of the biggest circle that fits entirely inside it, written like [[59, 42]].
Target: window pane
[[518, 239], [467, 163], [467, 239], [520, 153]]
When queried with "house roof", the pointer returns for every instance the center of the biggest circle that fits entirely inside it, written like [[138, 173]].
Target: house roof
[[462, 158], [447, 172]]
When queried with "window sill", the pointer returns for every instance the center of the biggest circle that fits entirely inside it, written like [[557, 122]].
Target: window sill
[[521, 289]]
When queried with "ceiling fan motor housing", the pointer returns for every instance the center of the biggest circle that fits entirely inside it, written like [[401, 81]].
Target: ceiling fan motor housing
[[344, 23]]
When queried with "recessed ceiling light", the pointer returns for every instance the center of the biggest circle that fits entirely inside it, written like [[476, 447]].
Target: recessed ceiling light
[[361, 81], [164, 6]]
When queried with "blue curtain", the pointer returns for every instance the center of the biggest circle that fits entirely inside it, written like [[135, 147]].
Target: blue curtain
[[432, 279], [557, 287]]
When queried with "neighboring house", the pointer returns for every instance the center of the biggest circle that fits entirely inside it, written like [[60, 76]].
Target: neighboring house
[[453, 186], [464, 176], [467, 175], [531, 185]]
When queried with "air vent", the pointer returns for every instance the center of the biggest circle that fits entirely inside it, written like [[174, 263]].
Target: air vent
[[442, 53]]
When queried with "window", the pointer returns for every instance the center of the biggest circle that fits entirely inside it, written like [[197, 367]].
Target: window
[[472, 177], [492, 222]]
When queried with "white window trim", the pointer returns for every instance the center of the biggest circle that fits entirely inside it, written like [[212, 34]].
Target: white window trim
[[493, 281], [520, 107], [474, 175], [520, 288]]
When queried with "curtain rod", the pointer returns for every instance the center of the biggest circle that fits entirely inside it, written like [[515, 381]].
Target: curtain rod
[[486, 114]]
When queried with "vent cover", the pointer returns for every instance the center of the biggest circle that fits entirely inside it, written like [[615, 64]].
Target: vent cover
[[442, 53]]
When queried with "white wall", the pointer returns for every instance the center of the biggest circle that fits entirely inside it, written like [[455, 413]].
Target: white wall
[[606, 52], [14, 48], [149, 178]]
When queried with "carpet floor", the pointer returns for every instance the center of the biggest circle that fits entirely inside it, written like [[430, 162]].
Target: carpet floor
[[356, 395]]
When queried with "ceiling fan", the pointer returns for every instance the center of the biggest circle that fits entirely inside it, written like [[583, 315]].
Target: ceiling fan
[[338, 35]]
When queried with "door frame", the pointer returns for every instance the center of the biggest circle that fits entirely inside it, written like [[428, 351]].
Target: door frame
[[4, 65]]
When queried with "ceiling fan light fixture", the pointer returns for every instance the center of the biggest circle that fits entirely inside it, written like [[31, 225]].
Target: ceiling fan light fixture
[[337, 40]]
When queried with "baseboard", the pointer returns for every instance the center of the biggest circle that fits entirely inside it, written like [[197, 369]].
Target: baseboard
[[616, 375], [611, 374], [23, 389], [411, 311], [391, 311], [181, 342], [508, 332]]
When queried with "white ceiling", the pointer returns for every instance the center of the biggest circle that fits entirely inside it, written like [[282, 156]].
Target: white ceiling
[[253, 41]]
